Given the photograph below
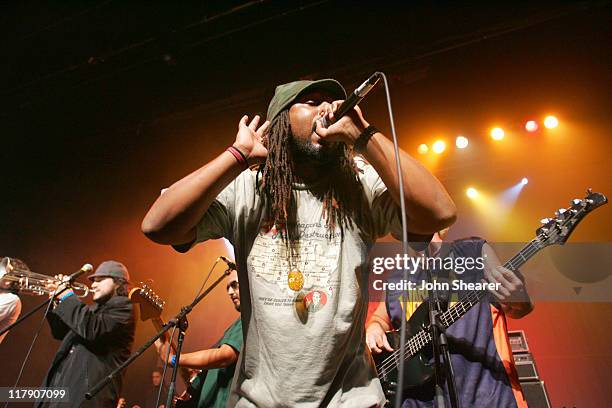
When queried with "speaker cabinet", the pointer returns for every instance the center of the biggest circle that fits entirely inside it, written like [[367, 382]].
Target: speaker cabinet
[[535, 394], [525, 367]]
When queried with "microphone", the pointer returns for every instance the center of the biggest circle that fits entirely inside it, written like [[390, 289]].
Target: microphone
[[229, 263], [352, 100], [84, 269]]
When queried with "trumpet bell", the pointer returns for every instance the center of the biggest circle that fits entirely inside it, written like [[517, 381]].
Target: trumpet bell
[[28, 282]]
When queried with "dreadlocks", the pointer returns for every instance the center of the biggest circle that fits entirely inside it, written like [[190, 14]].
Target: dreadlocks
[[340, 197]]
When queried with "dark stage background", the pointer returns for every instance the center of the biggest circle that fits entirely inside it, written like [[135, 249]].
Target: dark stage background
[[105, 103]]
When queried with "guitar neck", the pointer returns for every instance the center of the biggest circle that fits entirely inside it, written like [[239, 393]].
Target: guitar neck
[[472, 298], [423, 337]]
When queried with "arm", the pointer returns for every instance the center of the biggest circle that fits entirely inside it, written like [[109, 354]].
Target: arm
[[175, 214], [428, 205], [58, 328], [512, 294], [377, 324], [95, 326], [223, 356], [10, 308]]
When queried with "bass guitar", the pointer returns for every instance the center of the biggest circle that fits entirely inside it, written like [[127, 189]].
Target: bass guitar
[[418, 368]]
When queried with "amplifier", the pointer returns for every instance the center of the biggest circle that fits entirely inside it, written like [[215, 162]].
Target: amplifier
[[518, 341], [525, 367], [535, 394]]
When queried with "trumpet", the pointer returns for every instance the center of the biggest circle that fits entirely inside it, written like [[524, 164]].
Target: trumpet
[[32, 283]]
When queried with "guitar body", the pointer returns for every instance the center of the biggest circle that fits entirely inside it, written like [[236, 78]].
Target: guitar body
[[418, 369], [192, 395], [186, 403]]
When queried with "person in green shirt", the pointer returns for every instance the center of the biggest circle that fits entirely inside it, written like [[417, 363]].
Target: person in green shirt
[[211, 387]]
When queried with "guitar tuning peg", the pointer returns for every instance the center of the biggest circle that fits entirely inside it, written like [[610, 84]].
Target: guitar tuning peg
[[576, 201], [560, 211], [544, 220]]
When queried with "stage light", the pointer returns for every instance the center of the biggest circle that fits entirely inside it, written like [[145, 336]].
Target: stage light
[[461, 142], [471, 192], [497, 133], [531, 126], [507, 199], [423, 149], [551, 122], [438, 147]]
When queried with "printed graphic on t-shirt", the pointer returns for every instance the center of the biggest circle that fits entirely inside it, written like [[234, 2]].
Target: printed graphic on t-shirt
[[315, 300], [314, 256]]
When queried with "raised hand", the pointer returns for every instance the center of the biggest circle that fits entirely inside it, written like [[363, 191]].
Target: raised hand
[[250, 139]]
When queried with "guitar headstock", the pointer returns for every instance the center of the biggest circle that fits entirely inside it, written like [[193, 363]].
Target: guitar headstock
[[151, 305], [558, 229]]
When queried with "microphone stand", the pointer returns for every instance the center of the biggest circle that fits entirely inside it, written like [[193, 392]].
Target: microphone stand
[[180, 321], [182, 325], [440, 350]]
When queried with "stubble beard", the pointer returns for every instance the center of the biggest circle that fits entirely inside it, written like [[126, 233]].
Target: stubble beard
[[305, 150]]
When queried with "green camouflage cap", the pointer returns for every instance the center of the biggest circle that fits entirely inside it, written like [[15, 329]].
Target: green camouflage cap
[[285, 94]]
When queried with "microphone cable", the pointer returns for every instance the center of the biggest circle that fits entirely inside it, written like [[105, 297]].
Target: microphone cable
[[400, 370]]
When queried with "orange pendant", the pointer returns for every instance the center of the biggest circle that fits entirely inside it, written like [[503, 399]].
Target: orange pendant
[[295, 280]]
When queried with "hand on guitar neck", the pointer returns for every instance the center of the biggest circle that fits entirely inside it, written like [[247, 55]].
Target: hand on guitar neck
[[511, 292], [162, 344]]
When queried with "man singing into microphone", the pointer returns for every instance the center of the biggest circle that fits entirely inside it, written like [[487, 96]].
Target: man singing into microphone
[[95, 339], [302, 223]]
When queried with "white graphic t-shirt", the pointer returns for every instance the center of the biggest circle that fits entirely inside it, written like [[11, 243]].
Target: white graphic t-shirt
[[10, 307], [303, 315]]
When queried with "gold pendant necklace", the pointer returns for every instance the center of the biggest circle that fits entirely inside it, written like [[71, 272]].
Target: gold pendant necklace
[[295, 280], [295, 277]]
